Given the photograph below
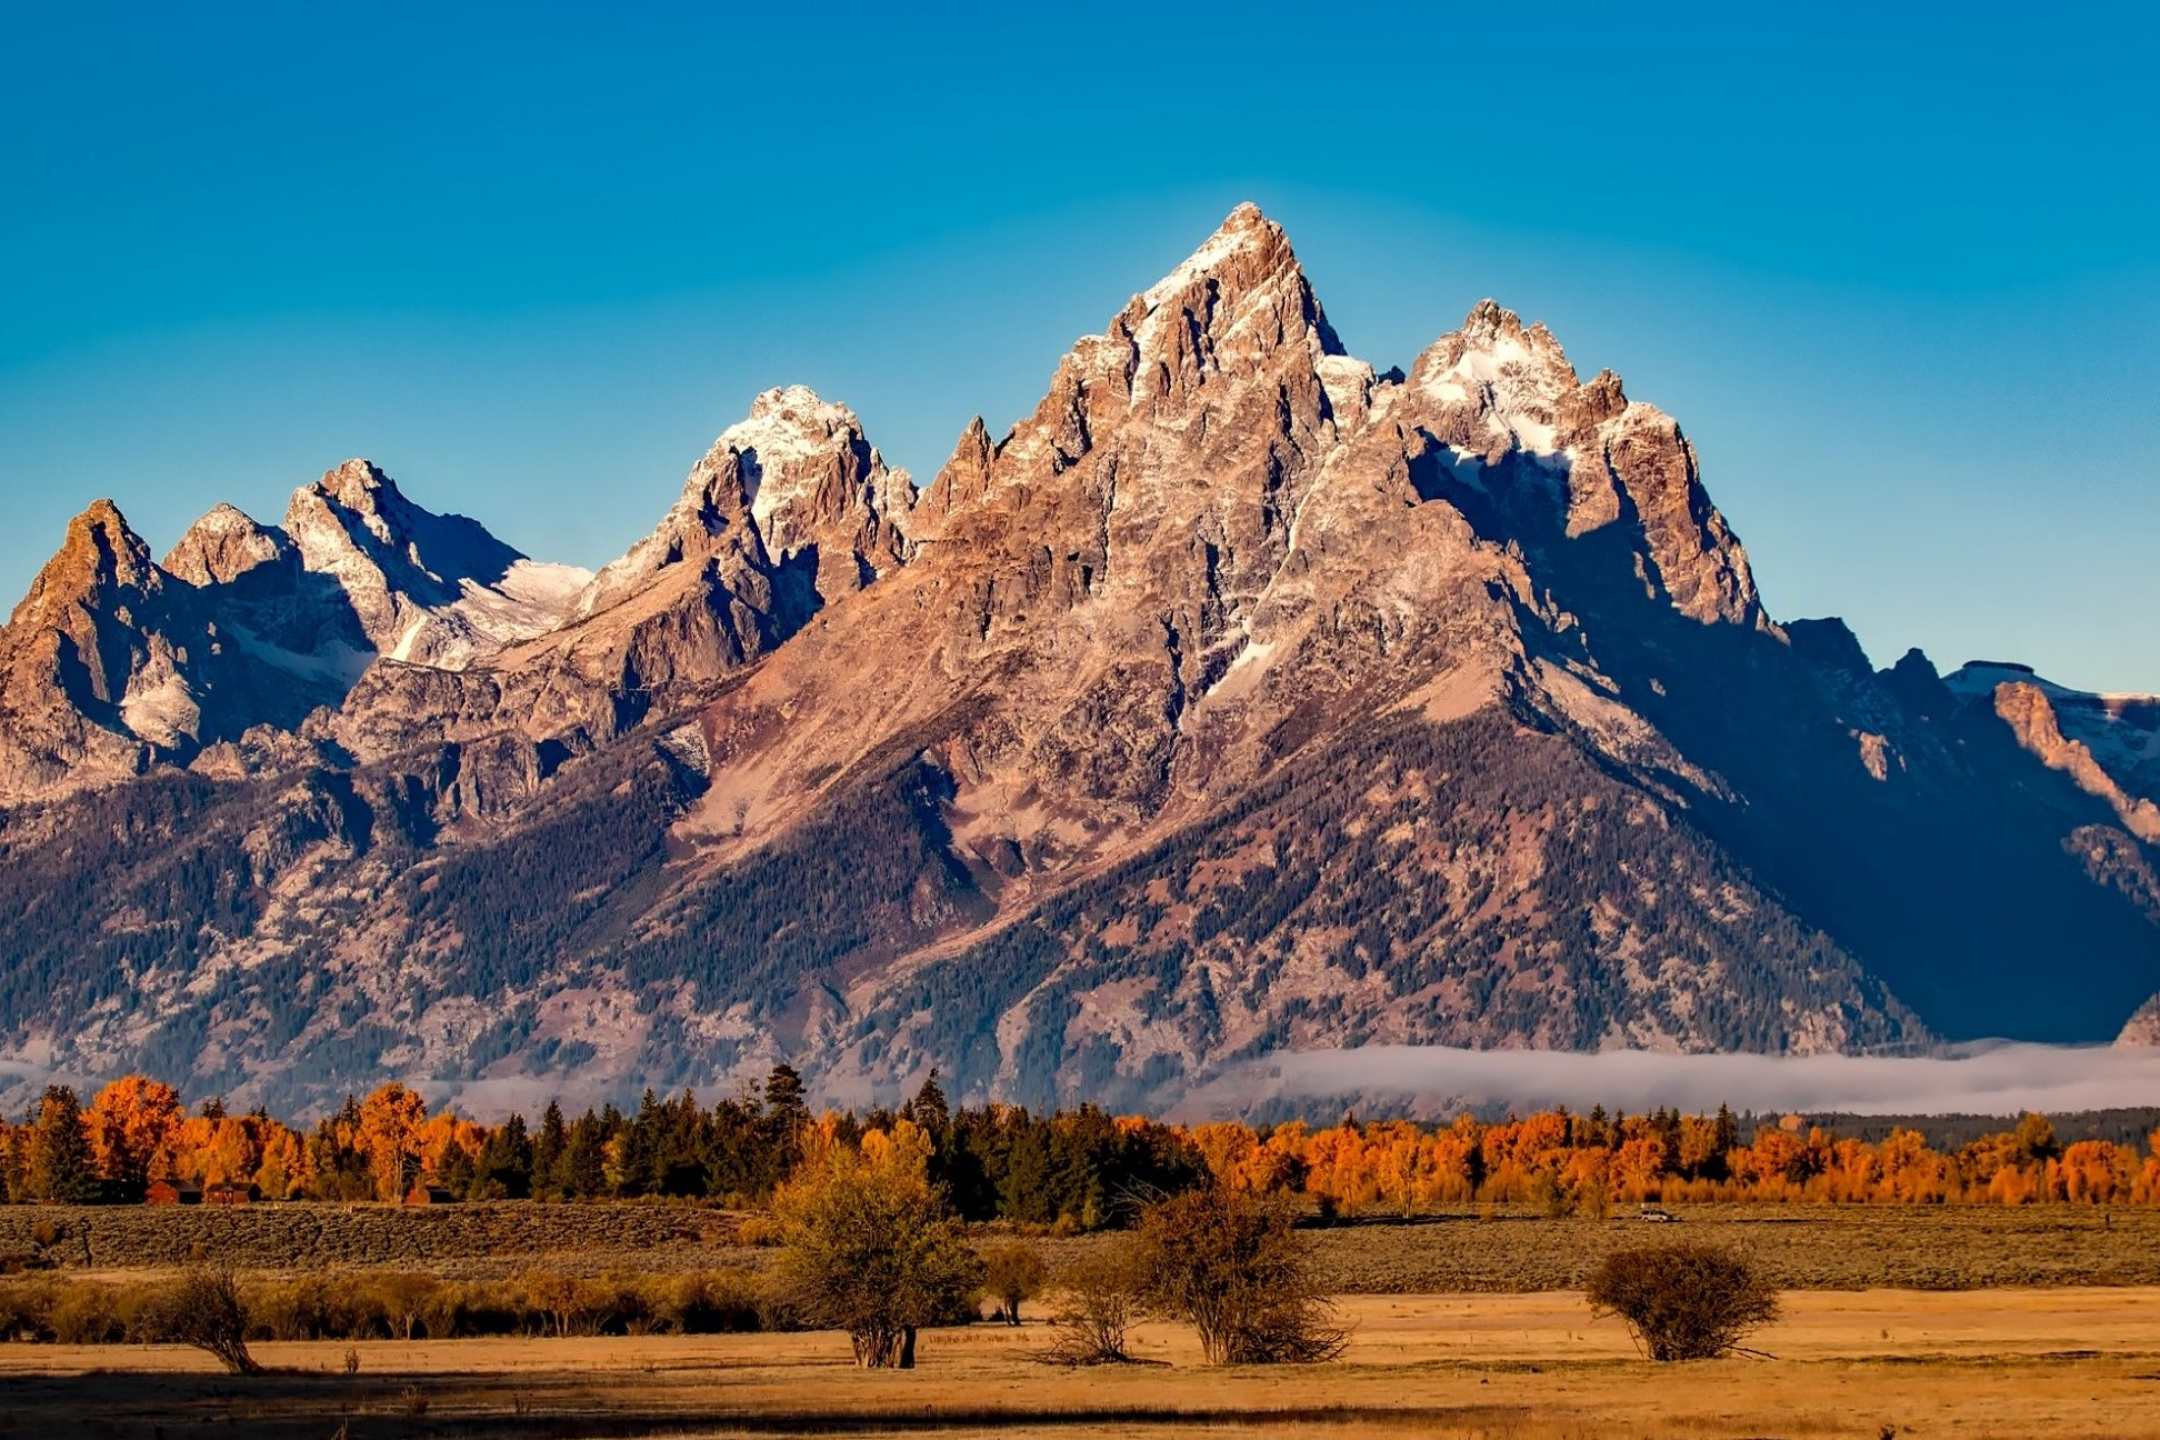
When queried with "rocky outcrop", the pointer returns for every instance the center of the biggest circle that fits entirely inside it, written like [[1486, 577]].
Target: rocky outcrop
[[2142, 1030], [82, 649], [2032, 719], [112, 667], [790, 511]]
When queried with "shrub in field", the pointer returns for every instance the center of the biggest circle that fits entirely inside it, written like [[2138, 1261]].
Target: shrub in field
[[1098, 1300], [406, 1301], [328, 1306], [93, 1314], [761, 1231], [1230, 1264], [205, 1309], [26, 1307], [723, 1302], [1684, 1301], [1013, 1271], [568, 1304]]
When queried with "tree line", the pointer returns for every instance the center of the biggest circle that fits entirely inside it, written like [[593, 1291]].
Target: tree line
[[1077, 1169]]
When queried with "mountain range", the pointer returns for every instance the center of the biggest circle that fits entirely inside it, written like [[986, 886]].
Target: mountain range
[[1240, 699]]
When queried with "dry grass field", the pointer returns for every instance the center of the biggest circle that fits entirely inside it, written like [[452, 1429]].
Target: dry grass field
[[2068, 1364]]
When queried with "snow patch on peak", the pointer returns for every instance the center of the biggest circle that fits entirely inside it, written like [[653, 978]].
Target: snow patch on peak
[[1349, 384], [1516, 376], [1980, 677]]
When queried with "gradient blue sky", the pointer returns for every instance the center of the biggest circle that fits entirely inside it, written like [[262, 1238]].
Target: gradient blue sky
[[1898, 277]]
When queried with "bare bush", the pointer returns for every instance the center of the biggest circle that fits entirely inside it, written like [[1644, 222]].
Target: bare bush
[[1231, 1264], [205, 1309], [1098, 1301], [1683, 1301]]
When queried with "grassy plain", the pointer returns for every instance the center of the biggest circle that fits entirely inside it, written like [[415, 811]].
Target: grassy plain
[[2070, 1363]]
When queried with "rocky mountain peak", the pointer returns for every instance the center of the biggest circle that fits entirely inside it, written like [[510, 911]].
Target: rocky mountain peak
[[421, 587], [223, 545], [795, 478], [100, 557], [804, 465], [959, 482], [358, 484], [1226, 308], [1534, 449], [355, 507]]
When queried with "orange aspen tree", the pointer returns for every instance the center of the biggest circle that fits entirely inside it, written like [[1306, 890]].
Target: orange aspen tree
[[134, 1129], [390, 1121]]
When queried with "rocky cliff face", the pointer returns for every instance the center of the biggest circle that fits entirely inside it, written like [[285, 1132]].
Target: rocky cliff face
[[2109, 745], [1240, 697]]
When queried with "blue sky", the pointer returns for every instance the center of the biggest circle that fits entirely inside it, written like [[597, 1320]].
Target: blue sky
[[1898, 277]]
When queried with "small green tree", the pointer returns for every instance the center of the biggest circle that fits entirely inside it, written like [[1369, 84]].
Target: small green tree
[[1684, 1300], [582, 1172], [871, 1247], [1012, 1272], [60, 1171]]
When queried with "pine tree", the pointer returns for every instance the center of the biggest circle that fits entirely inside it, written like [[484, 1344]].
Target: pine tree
[[548, 1147], [504, 1167], [784, 1094], [60, 1170], [584, 1162], [930, 1109]]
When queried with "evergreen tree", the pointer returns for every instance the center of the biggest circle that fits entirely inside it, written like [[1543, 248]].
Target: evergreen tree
[[784, 1094], [584, 1161], [458, 1175], [547, 1154], [503, 1169], [930, 1109], [60, 1169]]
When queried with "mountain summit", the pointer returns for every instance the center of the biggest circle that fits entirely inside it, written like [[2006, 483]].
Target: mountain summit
[[1240, 698]]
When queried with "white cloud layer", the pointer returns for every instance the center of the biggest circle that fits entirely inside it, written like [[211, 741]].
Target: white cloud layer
[[1983, 1078]]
